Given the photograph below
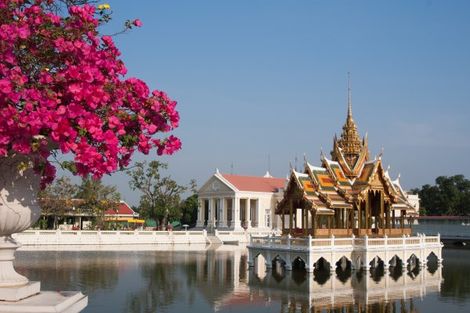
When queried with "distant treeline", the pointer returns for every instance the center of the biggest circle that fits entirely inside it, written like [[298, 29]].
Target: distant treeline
[[449, 196]]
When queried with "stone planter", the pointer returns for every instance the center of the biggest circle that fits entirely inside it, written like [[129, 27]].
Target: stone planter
[[18, 211]]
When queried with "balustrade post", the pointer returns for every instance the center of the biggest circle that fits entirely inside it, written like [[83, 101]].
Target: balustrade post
[[332, 240], [366, 241], [385, 240], [288, 241], [309, 238]]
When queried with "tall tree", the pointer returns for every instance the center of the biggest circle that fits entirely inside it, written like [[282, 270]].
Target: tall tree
[[56, 199], [449, 196], [189, 206], [161, 195], [96, 198]]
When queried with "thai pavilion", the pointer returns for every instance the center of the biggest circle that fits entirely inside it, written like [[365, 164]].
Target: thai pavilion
[[348, 194], [346, 211]]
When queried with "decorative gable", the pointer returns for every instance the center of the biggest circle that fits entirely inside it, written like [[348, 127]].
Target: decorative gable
[[215, 185]]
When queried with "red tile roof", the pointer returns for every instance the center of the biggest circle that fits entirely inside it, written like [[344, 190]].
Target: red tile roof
[[255, 183], [123, 209]]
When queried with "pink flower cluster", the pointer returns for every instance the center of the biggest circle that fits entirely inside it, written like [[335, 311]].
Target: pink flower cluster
[[62, 88]]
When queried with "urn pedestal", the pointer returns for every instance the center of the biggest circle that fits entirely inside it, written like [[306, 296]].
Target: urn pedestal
[[19, 209]]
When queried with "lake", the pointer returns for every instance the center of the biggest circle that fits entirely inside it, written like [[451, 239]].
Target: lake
[[220, 281]]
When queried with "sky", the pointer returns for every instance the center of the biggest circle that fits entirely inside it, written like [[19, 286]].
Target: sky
[[261, 83]]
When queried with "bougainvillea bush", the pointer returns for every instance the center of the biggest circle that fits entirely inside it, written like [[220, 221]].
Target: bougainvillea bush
[[63, 90]]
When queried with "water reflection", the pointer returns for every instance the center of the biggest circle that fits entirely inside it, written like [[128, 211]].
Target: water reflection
[[214, 280], [344, 290]]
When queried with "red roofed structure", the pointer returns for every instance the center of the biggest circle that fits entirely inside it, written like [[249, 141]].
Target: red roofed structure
[[234, 202], [124, 210], [256, 183]]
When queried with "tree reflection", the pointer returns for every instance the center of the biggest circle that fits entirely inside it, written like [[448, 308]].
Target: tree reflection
[[457, 274], [71, 270], [160, 287]]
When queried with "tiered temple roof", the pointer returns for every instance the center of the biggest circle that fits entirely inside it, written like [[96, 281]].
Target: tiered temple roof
[[344, 180]]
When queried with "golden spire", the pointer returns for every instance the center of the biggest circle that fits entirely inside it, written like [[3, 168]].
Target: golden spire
[[349, 97], [350, 142]]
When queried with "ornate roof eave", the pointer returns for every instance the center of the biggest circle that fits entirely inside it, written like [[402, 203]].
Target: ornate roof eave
[[324, 197], [342, 192], [342, 161], [362, 159], [388, 186], [308, 170], [293, 177]]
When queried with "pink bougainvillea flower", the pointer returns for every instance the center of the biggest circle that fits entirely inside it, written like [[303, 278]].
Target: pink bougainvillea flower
[[62, 87], [137, 23]]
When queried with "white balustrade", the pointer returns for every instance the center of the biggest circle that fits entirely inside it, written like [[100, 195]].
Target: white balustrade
[[289, 242], [85, 237]]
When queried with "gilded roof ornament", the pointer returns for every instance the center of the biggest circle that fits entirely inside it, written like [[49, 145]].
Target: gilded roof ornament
[[350, 143]]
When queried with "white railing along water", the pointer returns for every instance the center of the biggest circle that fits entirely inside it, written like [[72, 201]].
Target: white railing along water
[[109, 237], [302, 243]]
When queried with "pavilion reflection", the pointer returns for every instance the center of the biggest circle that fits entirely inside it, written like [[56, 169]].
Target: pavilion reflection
[[345, 290], [224, 280]]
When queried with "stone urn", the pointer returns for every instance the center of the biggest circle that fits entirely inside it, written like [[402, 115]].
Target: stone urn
[[19, 209]]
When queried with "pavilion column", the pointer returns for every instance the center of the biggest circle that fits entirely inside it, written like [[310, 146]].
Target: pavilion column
[[303, 221], [236, 213], [200, 213], [387, 216], [248, 213], [314, 223], [393, 218], [290, 216], [359, 215], [306, 222], [283, 226], [222, 213], [329, 222], [367, 212], [402, 219], [382, 218]]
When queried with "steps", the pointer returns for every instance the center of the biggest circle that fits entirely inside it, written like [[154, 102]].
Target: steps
[[213, 240]]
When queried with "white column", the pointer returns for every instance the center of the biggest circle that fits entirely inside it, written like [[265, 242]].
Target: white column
[[260, 218], [236, 213], [211, 218], [200, 213], [248, 213], [254, 215], [222, 213]]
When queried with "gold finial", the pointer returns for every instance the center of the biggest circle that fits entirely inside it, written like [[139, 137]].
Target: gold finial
[[349, 96]]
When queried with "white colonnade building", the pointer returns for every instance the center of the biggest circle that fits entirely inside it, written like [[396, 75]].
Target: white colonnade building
[[237, 202]]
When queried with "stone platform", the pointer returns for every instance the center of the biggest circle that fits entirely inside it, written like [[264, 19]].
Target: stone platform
[[359, 252], [47, 301]]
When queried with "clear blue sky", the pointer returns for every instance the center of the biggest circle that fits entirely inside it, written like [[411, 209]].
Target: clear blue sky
[[256, 78]]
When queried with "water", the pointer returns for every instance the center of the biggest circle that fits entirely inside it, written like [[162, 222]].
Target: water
[[219, 280], [446, 227]]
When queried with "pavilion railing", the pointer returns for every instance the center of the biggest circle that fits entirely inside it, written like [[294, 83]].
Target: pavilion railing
[[313, 243]]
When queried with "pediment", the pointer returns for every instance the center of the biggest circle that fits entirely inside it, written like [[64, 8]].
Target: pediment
[[214, 186]]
